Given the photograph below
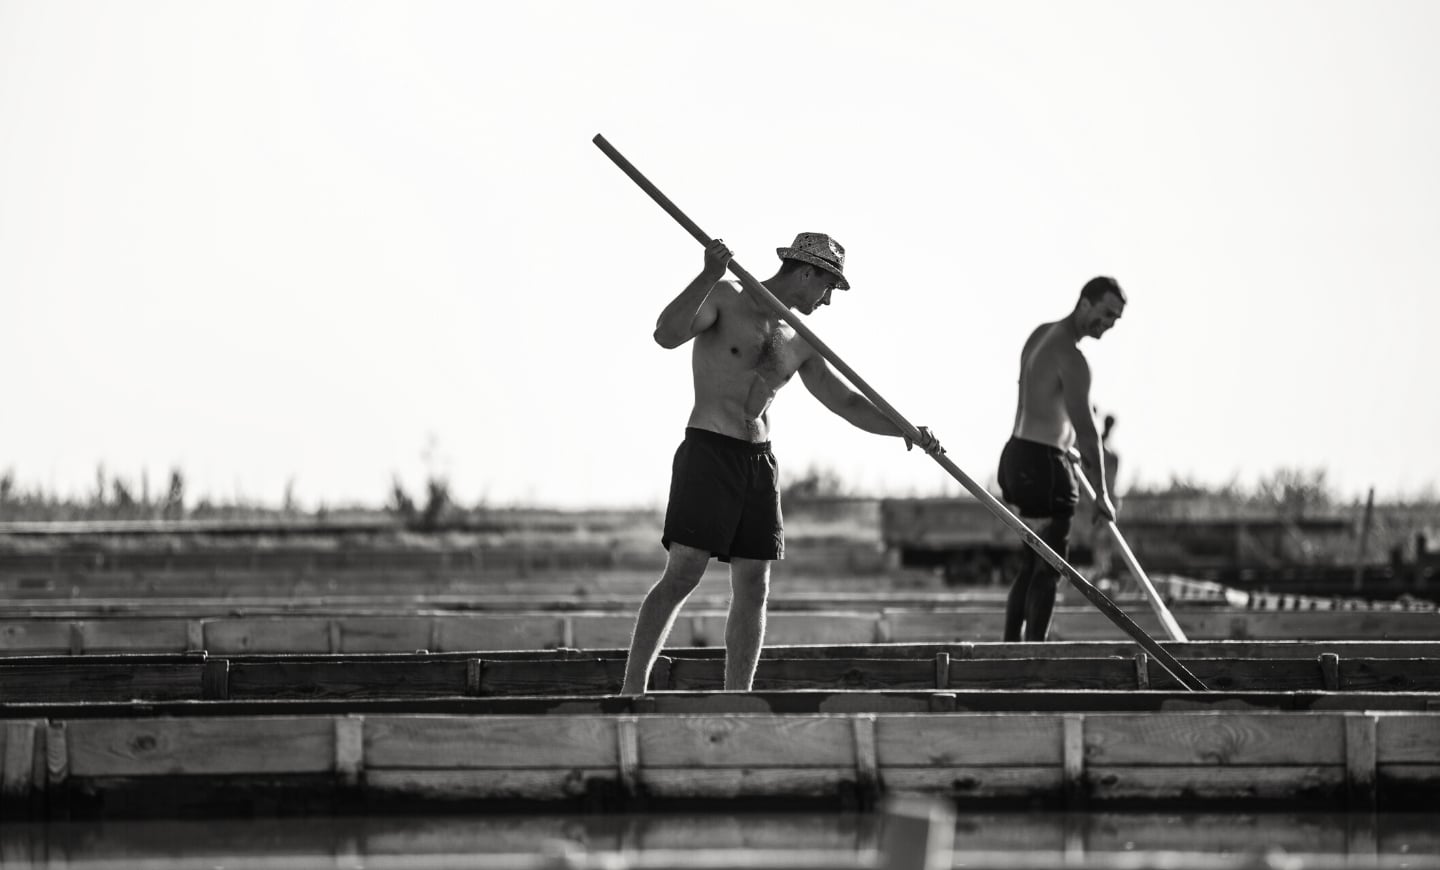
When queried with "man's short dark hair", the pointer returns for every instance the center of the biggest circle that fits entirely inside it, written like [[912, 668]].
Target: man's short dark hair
[[789, 266], [1096, 288]]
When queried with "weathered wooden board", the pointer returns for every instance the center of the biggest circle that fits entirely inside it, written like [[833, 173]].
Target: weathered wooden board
[[346, 679], [452, 743], [78, 680], [1229, 756], [299, 634], [201, 746], [797, 702], [305, 632], [489, 632]]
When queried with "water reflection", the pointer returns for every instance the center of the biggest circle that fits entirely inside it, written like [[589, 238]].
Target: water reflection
[[358, 840]]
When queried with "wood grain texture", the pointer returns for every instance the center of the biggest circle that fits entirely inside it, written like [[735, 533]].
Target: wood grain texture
[[592, 630], [300, 634], [578, 676], [1271, 783], [192, 747], [1407, 738], [384, 634], [491, 632], [1214, 739], [34, 637], [109, 635], [968, 740], [550, 783], [339, 679], [460, 742], [74, 679], [747, 741]]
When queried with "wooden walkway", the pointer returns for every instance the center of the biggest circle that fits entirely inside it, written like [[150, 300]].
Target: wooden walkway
[[105, 759], [1363, 667], [439, 631]]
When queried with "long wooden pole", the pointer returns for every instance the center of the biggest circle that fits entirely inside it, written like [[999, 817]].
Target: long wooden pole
[[1167, 621], [1032, 540]]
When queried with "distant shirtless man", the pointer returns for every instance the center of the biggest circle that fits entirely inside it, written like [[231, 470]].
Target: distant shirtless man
[[1054, 413], [724, 493]]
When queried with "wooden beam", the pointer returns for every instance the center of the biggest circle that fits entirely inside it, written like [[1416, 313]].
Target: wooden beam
[[1360, 760]]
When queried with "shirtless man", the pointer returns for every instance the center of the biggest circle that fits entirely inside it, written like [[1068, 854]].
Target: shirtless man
[[724, 495], [1054, 413]]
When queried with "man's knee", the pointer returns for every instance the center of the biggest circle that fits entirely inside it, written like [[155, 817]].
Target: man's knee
[[750, 579], [684, 566], [1056, 533]]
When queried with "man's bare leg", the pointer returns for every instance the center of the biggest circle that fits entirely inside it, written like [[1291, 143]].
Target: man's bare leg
[[1019, 594], [1040, 601], [745, 625], [683, 569]]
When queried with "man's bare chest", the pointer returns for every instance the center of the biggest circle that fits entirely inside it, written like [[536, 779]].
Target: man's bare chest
[[763, 346]]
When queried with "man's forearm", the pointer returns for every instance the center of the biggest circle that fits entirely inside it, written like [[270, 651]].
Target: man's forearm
[[862, 414]]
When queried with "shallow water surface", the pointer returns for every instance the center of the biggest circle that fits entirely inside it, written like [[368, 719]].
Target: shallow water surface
[[1058, 839]]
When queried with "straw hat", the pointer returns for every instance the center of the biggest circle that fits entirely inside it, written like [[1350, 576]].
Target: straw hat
[[818, 249]]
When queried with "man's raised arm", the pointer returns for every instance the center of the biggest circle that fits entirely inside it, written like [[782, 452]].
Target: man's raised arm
[[692, 312]]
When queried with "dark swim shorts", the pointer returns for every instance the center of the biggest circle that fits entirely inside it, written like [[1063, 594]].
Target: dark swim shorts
[[1038, 479], [725, 498]]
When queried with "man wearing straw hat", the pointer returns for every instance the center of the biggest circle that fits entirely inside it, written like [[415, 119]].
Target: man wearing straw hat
[[724, 493], [1052, 414]]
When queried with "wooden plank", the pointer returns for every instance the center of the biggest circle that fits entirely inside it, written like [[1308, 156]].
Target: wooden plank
[[487, 632], [1214, 739], [541, 784], [1042, 673], [1073, 757], [732, 783], [820, 627], [74, 679], [746, 741], [627, 739], [1240, 783], [1362, 674], [554, 676], [31, 637], [281, 679], [783, 674], [17, 763], [1360, 760], [384, 634], [968, 740], [201, 746], [349, 749], [443, 742], [1407, 738], [613, 629], [1026, 782], [289, 634], [1268, 674], [867, 770], [108, 635]]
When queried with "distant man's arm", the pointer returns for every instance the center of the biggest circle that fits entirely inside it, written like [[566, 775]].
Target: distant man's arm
[[833, 393], [693, 311], [1075, 381]]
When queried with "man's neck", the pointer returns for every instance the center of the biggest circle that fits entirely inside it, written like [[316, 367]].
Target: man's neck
[[1072, 327]]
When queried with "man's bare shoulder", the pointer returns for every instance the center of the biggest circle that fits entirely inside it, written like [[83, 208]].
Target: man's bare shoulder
[[725, 291]]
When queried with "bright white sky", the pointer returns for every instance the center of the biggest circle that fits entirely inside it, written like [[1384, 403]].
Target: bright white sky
[[332, 242]]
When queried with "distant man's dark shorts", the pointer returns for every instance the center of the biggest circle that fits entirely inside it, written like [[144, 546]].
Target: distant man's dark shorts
[[1038, 479], [725, 498]]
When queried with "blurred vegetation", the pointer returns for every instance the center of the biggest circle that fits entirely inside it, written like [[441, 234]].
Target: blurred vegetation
[[1398, 526]]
